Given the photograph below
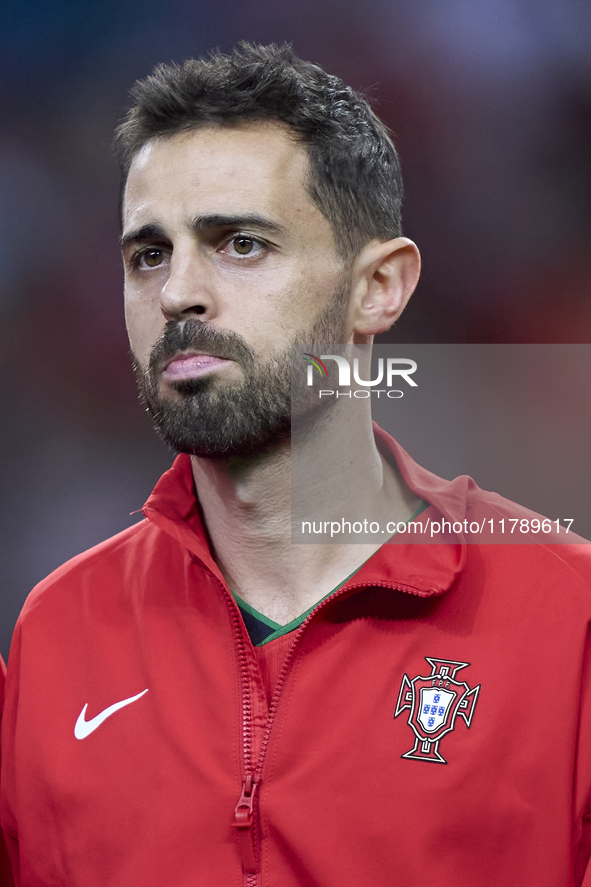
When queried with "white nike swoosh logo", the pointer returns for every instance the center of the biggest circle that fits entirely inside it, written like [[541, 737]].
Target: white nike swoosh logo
[[84, 728]]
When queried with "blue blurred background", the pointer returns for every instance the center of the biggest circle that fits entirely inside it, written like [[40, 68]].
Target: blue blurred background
[[490, 105]]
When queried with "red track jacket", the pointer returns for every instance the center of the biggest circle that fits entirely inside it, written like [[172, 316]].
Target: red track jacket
[[431, 725]]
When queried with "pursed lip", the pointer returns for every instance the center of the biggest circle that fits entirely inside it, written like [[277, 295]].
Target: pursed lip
[[191, 364]]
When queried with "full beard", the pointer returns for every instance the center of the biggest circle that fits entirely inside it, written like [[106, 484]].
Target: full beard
[[222, 422]]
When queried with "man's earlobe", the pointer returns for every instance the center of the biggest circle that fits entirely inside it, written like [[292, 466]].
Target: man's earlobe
[[385, 275]]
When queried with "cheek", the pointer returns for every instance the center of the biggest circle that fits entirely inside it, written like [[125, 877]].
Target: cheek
[[145, 324], [308, 299]]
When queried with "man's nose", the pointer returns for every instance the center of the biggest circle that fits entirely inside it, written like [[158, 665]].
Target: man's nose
[[188, 290]]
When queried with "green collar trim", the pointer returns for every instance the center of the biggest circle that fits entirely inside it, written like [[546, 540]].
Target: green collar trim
[[280, 630]]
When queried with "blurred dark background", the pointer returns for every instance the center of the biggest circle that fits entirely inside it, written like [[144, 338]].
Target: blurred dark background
[[490, 105]]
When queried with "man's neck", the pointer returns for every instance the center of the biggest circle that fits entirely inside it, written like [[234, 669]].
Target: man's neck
[[248, 507]]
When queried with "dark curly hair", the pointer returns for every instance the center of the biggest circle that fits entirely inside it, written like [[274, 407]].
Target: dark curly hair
[[355, 179]]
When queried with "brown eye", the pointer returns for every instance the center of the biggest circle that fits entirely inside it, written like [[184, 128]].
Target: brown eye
[[152, 258], [243, 245]]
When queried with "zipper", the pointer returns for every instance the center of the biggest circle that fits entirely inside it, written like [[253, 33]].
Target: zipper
[[245, 819], [243, 823]]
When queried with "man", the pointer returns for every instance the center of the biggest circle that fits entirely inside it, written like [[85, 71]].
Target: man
[[200, 701]]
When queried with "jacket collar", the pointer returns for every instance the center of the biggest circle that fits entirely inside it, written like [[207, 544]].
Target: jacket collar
[[417, 567]]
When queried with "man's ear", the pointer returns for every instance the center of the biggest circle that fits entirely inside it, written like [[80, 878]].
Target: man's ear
[[384, 276]]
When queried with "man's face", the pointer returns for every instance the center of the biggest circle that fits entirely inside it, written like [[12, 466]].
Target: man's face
[[227, 264]]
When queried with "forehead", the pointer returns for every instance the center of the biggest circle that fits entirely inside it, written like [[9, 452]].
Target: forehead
[[223, 169]]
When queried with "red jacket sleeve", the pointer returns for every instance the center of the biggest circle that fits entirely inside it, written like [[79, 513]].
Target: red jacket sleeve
[[6, 878]]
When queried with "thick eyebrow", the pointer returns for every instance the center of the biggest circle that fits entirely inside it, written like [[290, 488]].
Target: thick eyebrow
[[153, 232], [145, 234], [216, 220]]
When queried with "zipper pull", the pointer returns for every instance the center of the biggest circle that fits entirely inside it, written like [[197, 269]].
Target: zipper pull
[[243, 822]]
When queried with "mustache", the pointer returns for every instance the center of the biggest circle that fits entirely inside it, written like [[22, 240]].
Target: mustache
[[185, 335]]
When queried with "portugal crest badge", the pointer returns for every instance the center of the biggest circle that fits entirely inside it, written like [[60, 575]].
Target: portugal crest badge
[[434, 702]]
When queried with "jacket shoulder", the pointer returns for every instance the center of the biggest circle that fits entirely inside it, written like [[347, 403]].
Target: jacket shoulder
[[97, 563], [527, 535]]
